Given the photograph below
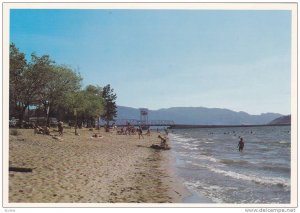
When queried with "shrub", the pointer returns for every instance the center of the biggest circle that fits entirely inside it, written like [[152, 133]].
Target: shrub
[[14, 132]]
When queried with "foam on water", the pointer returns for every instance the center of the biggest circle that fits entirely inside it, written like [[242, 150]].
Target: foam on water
[[256, 179], [211, 164], [205, 189]]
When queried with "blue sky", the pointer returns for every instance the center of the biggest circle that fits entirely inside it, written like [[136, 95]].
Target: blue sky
[[240, 60]]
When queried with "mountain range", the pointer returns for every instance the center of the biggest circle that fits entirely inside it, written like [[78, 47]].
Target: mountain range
[[199, 116], [282, 120]]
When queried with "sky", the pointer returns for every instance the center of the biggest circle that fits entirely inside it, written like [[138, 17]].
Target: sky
[[238, 60]]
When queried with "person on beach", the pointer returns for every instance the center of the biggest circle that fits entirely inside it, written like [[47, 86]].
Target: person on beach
[[38, 130], [96, 135], [148, 132], [241, 145], [60, 128], [163, 142], [46, 130], [166, 131], [140, 132]]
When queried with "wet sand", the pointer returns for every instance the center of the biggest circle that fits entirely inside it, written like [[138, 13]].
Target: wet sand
[[79, 169]]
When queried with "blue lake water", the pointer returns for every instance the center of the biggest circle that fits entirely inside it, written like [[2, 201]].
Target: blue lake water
[[210, 164]]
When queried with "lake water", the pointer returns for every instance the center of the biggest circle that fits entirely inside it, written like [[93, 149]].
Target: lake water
[[210, 164]]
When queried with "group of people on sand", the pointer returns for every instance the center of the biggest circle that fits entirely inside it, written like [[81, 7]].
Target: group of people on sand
[[140, 132], [96, 136], [41, 130], [131, 130], [163, 142], [46, 130]]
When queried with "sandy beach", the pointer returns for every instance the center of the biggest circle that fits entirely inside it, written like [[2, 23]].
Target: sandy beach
[[82, 169]]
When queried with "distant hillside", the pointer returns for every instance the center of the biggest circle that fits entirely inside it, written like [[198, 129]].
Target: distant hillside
[[199, 115], [282, 120]]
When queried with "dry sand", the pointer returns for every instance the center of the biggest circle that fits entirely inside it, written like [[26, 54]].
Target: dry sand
[[78, 169]]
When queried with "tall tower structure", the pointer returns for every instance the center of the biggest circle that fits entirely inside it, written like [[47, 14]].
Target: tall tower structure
[[144, 117]]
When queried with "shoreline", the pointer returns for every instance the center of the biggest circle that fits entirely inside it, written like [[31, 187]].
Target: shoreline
[[188, 196], [79, 169]]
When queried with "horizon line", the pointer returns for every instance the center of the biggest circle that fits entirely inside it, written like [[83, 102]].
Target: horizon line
[[163, 108]]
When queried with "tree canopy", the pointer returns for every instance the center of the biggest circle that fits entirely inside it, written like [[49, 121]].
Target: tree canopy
[[43, 84], [110, 107]]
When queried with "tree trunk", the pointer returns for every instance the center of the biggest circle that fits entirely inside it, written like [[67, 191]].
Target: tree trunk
[[98, 123], [21, 115], [76, 125], [48, 112], [107, 126]]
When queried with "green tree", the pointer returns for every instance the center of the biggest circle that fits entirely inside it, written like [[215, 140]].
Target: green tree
[[87, 103], [28, 83], [110, 107], [35, 78], [56, 89], [17, 67], [75, 104], [61, 81], [95, 103]]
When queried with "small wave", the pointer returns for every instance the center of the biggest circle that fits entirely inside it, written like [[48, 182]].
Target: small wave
[[205, 157], [281, 182], [283, 142], [251, 164], [211, 192], [180, 139], [229, 161], [277, 168], [206, 153], [190, 147]]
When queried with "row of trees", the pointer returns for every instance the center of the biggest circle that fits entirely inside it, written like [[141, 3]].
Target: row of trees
[[41, 84]]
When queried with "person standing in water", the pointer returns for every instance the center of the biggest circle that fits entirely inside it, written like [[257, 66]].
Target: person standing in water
[[241, 145]]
